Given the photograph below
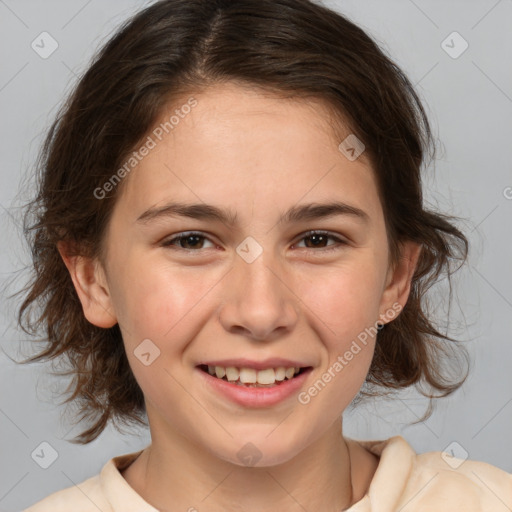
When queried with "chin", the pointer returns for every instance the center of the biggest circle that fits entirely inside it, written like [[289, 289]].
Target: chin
[[261, 450]]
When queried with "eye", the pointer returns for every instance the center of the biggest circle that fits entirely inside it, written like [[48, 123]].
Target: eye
[[318, 239], [187, 241], [191, 241]]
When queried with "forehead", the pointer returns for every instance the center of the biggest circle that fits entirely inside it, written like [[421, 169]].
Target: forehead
[[238, 144]]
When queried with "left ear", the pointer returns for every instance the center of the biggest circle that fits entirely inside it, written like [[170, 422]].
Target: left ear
[[399, 277]]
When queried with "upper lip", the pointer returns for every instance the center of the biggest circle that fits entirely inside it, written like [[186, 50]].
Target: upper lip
[[273, 362]]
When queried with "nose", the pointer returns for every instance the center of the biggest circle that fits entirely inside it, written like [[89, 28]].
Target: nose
[[258, 302]]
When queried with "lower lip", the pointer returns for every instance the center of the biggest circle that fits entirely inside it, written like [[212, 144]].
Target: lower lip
[[256, 397]]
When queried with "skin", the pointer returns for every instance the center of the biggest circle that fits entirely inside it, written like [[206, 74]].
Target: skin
[[258, 155]]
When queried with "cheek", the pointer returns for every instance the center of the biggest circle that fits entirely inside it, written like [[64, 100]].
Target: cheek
[[156, 299], [345, 299], [165, 305]]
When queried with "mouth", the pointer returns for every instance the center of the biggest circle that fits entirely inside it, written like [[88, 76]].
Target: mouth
[[252, 378]]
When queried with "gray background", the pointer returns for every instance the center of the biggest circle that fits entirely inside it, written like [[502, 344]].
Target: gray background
[[469, 101]]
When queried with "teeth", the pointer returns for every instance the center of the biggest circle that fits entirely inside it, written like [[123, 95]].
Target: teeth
[[269, 376], [248, 376], [266, 376], [232, 373], [280, 373]]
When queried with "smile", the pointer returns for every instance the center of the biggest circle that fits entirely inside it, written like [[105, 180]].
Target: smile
[[250, 377]]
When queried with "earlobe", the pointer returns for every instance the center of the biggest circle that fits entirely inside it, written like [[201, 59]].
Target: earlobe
[[88, 277], [398, 284]]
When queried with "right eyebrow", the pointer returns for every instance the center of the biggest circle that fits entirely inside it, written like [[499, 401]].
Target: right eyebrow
[[200, 211]]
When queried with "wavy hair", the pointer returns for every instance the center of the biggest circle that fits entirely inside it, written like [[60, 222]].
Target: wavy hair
[[295, 48]]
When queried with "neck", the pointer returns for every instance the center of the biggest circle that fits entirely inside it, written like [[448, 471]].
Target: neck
[[173, 474]]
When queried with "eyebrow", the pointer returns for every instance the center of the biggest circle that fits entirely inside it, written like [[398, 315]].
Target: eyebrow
[[203, 211]]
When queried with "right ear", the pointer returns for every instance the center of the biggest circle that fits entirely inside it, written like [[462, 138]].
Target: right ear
[[91, 286]]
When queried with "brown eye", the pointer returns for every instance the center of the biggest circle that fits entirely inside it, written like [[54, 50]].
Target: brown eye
[[186, 241], [317, 240], [320, 239]]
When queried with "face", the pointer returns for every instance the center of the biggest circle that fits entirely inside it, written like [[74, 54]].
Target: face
[[252, 287]]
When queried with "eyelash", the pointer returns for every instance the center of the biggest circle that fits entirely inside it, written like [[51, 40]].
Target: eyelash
[[169, 243]]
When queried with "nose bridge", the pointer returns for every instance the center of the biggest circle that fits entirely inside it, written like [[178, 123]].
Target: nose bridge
[[259, 302], [257, 265], [260, 280]]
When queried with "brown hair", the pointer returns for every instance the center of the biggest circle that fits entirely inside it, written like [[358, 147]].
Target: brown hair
[[295, 48]]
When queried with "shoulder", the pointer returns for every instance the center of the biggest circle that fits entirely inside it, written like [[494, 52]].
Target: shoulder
[[442, 481], [84, 497], [438, 481], [108, 491]]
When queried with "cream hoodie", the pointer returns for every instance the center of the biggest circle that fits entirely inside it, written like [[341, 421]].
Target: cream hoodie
[[403, 481]]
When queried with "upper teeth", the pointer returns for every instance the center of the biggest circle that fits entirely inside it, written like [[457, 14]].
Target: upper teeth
[[252, 376]]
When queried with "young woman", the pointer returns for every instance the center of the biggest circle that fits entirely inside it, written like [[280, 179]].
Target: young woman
[[229, 240]]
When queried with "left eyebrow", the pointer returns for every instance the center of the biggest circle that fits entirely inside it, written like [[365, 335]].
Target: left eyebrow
[[313, 211], [202, 211]]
